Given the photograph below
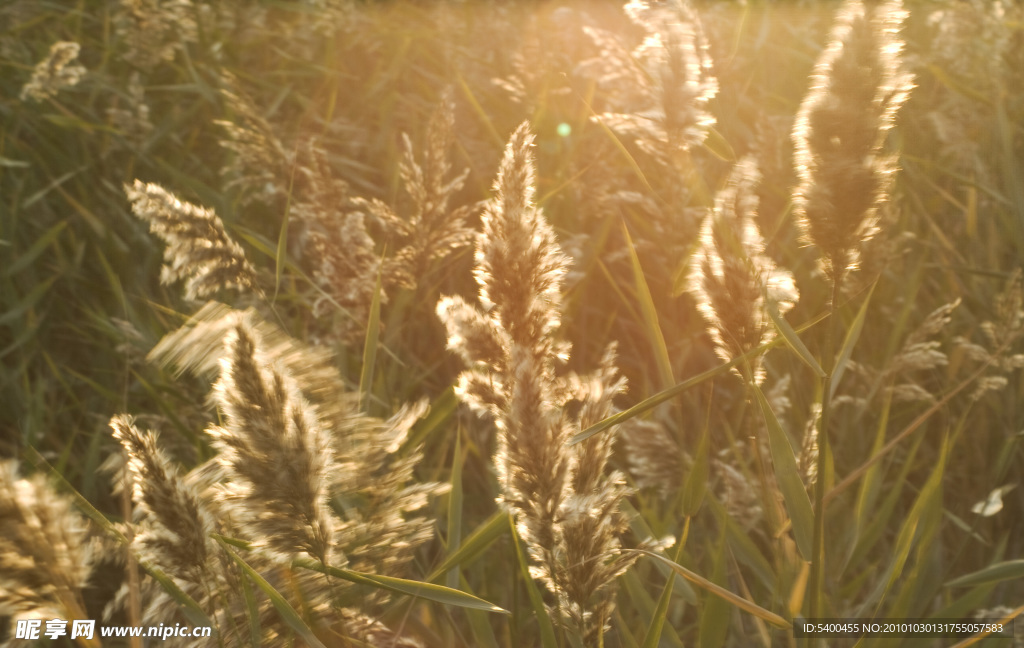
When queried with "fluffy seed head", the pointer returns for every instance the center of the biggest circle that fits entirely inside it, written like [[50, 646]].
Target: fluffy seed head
[[199, 249], [732, 277], [858, 85], [54, 73]]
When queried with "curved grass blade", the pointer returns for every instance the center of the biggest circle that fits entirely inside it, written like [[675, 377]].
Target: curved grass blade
[[650, 314], [721, 592], [283, 607], [849, 342], [485, 534], [428, 591], [653, 637], [1001, 571], [667, 394], [547, 629], [788, 475], [255, 635]]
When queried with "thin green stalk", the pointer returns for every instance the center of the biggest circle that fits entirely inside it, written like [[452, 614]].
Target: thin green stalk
[[818, 557]]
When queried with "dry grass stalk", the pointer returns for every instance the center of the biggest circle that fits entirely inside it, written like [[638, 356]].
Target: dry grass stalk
[[199, 249], [45, 557], [732, 279], [565, 505], [54, 73], [858, 85]]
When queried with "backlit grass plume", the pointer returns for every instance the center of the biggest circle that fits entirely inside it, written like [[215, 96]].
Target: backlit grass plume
[[45, 556], [564, 503], [274, 448], [432, 228], [54, 73], [732, 278], [199, 249], [177, 525], [679, 82], [858, 85]]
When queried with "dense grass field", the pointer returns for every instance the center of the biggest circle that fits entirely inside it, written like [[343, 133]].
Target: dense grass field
[[339, 323]]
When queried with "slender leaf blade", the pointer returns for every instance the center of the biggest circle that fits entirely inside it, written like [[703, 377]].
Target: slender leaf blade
[[793, 340], [798, 504], [429, 591], [283, 607]]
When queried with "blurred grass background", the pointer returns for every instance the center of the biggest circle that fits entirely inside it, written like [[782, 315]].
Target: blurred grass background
[[81, 303]]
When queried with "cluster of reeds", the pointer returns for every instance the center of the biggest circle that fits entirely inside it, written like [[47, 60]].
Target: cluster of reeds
[[565, 504], [271, 490], [282, 492]]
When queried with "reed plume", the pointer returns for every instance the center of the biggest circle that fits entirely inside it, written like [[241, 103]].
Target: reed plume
[[45, 555], [199, 249], [679, 83], [564, 503], [432, 229], [54, 73], [273, 447], [857, 87], [178, 526], [154, 31], [732, 279], [261, 167]]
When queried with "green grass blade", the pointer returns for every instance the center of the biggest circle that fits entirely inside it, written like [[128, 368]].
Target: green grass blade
[[1002, 571], [282, 235], [428, 591], [483, 634], [652, 638], [547, 629], [36, 249], [721, 592], [283, 607], [798, 504], [370, 347], [455, 509], [718, 146], [909, 530], [696, 482], [253, 611], [478, 541], [852, 335], [793, 340], [650, 315], [715, 614]]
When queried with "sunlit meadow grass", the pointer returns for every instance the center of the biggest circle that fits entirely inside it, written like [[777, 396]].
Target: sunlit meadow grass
[[339, 323]]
